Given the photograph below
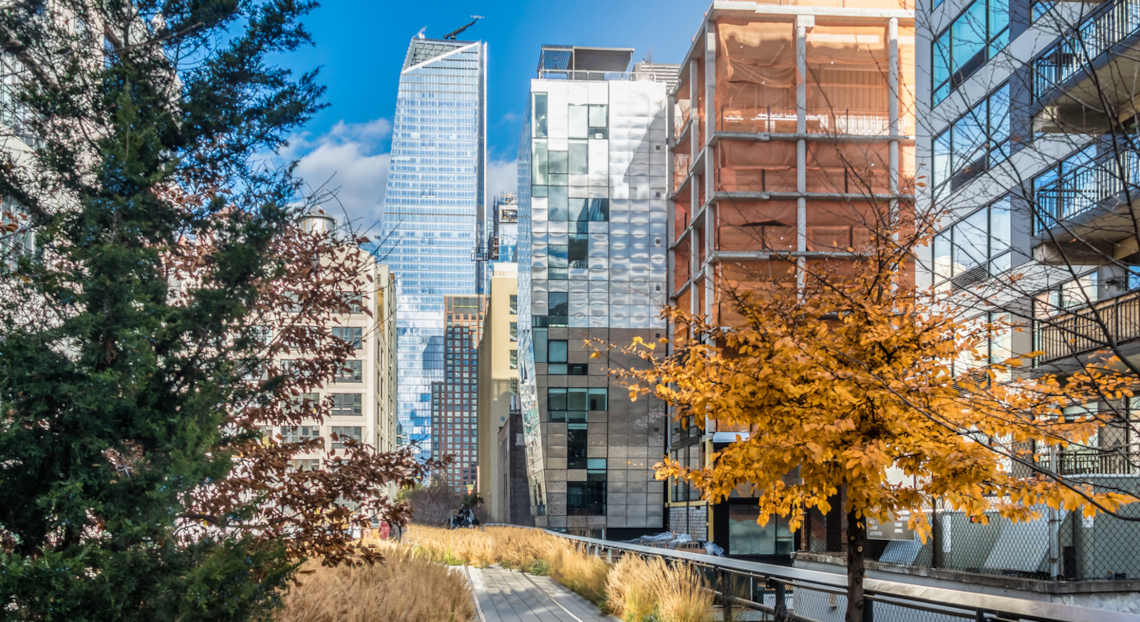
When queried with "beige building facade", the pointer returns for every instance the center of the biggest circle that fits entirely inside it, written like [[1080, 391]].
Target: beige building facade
[[363, 394], [498, 391]]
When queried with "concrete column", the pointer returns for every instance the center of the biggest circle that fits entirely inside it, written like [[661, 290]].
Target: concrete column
[[694, 77], [710, 163], [893, 106], [803, 22]]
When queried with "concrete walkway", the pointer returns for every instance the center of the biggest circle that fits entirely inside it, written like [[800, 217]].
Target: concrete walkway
[[511, 596]]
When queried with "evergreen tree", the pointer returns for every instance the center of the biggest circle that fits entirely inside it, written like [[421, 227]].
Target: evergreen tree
[[132, 136]]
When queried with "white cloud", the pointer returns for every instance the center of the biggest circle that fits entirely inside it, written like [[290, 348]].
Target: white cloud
[[502, 176], [347, 168]]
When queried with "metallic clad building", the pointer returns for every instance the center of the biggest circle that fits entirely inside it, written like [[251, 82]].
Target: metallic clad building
[[435, 189], [592, 249]]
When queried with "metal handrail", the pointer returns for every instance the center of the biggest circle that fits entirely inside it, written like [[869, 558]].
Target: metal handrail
[[1078, 331], [1097, 33], [1110, 176], [946, 601]]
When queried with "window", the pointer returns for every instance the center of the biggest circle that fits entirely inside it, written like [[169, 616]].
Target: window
[[599, 210], [599, 121], [588, 497], [352, 334], [978, 34], [576, 445], [540, 115], [514, 330], [974, 248], [578, 369], [567, 405], [1066, 296], [351, 372], [578, 251], [299, 433], [556, 261], [556, 350], [353, 301], [347, 404], [598, 399], [340, 433], [747, 537], [556, 356], [514, 359], [579, 214], [304, 464], [975, 142], [514, 304], [579, 161], [540, 165], [306, 401], [558, 309], [578, 121]]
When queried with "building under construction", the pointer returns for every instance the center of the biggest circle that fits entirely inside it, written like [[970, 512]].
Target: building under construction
[[790, 124]]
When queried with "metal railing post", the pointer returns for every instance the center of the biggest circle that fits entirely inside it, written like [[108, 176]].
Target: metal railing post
[[781, 605], [725, 597], [868, 609]]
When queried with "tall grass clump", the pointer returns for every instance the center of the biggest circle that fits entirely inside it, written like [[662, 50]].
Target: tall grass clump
[[683, 596], [638, 590], [401, 588], [528, 550], [629, 589], [579, 571]]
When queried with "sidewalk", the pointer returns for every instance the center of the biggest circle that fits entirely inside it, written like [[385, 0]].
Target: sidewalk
[[510, 596]]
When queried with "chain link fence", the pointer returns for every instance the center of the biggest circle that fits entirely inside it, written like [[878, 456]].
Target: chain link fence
[[1059, 545]]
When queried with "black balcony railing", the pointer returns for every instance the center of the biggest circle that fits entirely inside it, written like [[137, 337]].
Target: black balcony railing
[[1096, 34], [1091, 462], [1103, 183], [1107, 323]]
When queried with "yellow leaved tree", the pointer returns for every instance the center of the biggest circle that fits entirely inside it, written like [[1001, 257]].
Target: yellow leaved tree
[[847, 384]]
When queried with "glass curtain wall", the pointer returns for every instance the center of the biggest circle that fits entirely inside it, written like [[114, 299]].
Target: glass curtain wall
[[435, 191], [592, 231]]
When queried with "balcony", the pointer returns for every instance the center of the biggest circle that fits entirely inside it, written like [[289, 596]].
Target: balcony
[[1092, 462], [1086, 214], [1080, 331], [1103, 46]]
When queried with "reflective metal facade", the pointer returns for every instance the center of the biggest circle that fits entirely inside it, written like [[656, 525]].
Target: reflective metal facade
[[592, 253], [435, 189]]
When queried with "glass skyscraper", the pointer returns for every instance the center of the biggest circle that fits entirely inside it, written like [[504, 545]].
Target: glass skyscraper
[[435, 190]]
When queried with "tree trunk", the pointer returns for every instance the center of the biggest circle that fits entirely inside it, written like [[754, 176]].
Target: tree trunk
[[856, 545]]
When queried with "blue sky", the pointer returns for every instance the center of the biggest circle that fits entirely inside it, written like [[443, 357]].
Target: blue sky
[[360, 46]]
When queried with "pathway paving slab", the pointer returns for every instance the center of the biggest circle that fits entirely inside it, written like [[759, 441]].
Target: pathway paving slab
[[503, 595]]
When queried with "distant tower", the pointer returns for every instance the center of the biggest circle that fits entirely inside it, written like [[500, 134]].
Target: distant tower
[[318, 221], [435, 190]]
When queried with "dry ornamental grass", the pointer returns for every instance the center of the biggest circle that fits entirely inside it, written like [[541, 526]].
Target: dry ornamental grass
[[634, 589], [402, 588], [640, 590]]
